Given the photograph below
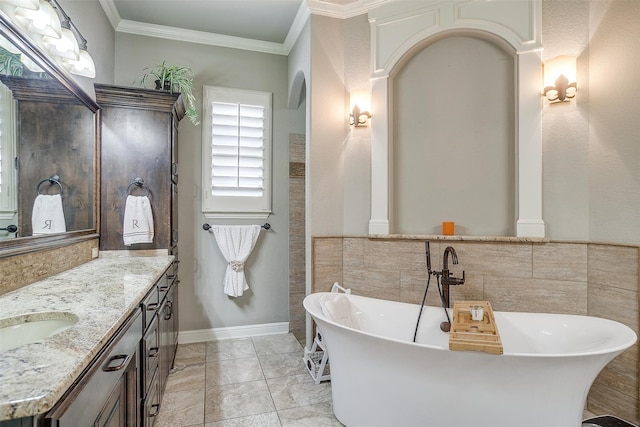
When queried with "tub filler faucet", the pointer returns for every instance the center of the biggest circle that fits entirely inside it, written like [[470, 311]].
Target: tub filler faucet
[[447, 278], [443, 291]]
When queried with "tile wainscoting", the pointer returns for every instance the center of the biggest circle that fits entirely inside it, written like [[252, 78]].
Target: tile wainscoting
[[552, 277]]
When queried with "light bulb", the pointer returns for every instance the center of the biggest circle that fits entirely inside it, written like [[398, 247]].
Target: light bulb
[[84, 66], [65, 47], [43, 21]]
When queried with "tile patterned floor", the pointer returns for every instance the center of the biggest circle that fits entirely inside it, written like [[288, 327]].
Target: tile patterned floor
[[252, 382], [258, 381]]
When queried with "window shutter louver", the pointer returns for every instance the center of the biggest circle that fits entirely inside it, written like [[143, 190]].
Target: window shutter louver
[[237, 150]]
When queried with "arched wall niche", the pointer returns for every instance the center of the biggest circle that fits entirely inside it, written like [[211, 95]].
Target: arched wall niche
[[452, 154], [398, 29], [297, 90]]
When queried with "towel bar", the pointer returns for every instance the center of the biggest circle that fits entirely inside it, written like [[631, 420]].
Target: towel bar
[[207, 227]]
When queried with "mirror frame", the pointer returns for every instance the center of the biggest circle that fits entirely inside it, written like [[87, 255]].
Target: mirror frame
[[35, 243]]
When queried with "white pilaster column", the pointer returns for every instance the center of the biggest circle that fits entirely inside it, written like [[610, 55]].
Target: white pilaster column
[[529, 173], [380, 160]]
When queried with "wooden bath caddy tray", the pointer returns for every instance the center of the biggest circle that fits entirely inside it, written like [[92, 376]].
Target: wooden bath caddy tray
[[474, 335]]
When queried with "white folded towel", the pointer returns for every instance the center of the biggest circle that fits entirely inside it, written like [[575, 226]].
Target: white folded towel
[[337, 308], [138, 221], [47, 216], [236, 243]]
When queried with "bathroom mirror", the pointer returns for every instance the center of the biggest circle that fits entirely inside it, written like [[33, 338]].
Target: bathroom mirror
[[48, 134]]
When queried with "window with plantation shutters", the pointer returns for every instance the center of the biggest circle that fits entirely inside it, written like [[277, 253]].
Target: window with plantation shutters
[[236, 153]]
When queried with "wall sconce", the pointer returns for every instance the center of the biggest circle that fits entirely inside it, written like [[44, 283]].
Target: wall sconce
[[360, 115], [560, 79], [47, 24]]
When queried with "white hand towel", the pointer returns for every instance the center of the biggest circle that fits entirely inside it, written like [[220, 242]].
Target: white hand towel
[[47, 216], [138, 221], [236, 243]]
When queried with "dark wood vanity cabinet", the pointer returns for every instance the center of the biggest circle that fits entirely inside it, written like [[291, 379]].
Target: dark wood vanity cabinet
[[139, 136], [139, 139], [106, 394], [124, 384], [159, 343]]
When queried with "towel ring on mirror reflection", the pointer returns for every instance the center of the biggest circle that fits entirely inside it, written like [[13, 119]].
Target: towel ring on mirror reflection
[[138, 182], [53, 179]]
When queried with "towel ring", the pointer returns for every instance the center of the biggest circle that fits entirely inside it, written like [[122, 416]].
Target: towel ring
[[138, 182], [53, 179]]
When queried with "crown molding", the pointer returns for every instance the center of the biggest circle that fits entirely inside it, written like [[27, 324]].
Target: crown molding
[[307, 7], [296, 27], [201, 37], [111, 11], [342, 11]]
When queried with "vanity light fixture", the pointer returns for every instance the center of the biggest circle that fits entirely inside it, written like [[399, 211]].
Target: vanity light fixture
[[26, 4], [559, 77], [84, 66], [65, 46], [48, 25], [43, 21], [358, 117]]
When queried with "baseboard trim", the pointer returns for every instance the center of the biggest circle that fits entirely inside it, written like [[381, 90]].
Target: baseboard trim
[[232, 332]]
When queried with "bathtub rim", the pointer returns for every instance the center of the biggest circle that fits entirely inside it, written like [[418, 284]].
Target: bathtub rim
[[628, 340]]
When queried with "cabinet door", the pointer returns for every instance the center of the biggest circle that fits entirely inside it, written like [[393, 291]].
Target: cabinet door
[[150, 354], [120, 410], [174, 219], [151, 405], [174, 319], [164, 316], [106, 393], [114, 413]]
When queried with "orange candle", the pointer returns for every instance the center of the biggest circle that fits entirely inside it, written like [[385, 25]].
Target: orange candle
[[448, 228]]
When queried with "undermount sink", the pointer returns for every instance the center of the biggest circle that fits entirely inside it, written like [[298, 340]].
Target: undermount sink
[[29, 328]]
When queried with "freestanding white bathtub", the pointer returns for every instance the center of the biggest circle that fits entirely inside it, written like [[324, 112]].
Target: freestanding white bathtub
[[379, 377]]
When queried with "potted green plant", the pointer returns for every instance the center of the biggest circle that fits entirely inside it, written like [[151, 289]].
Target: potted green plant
[[10, 63], [174, 79]]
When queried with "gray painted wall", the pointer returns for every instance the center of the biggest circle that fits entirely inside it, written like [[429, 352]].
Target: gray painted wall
[[591, 146], [92, 22], [454, 139], [202, 300], [328, 127], [614, 121]]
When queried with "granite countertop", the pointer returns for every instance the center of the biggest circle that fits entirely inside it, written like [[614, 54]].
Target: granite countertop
[[102, 293]]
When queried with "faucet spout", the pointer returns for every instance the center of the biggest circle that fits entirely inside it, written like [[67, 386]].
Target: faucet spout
[[445, 258], [447, 278]]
